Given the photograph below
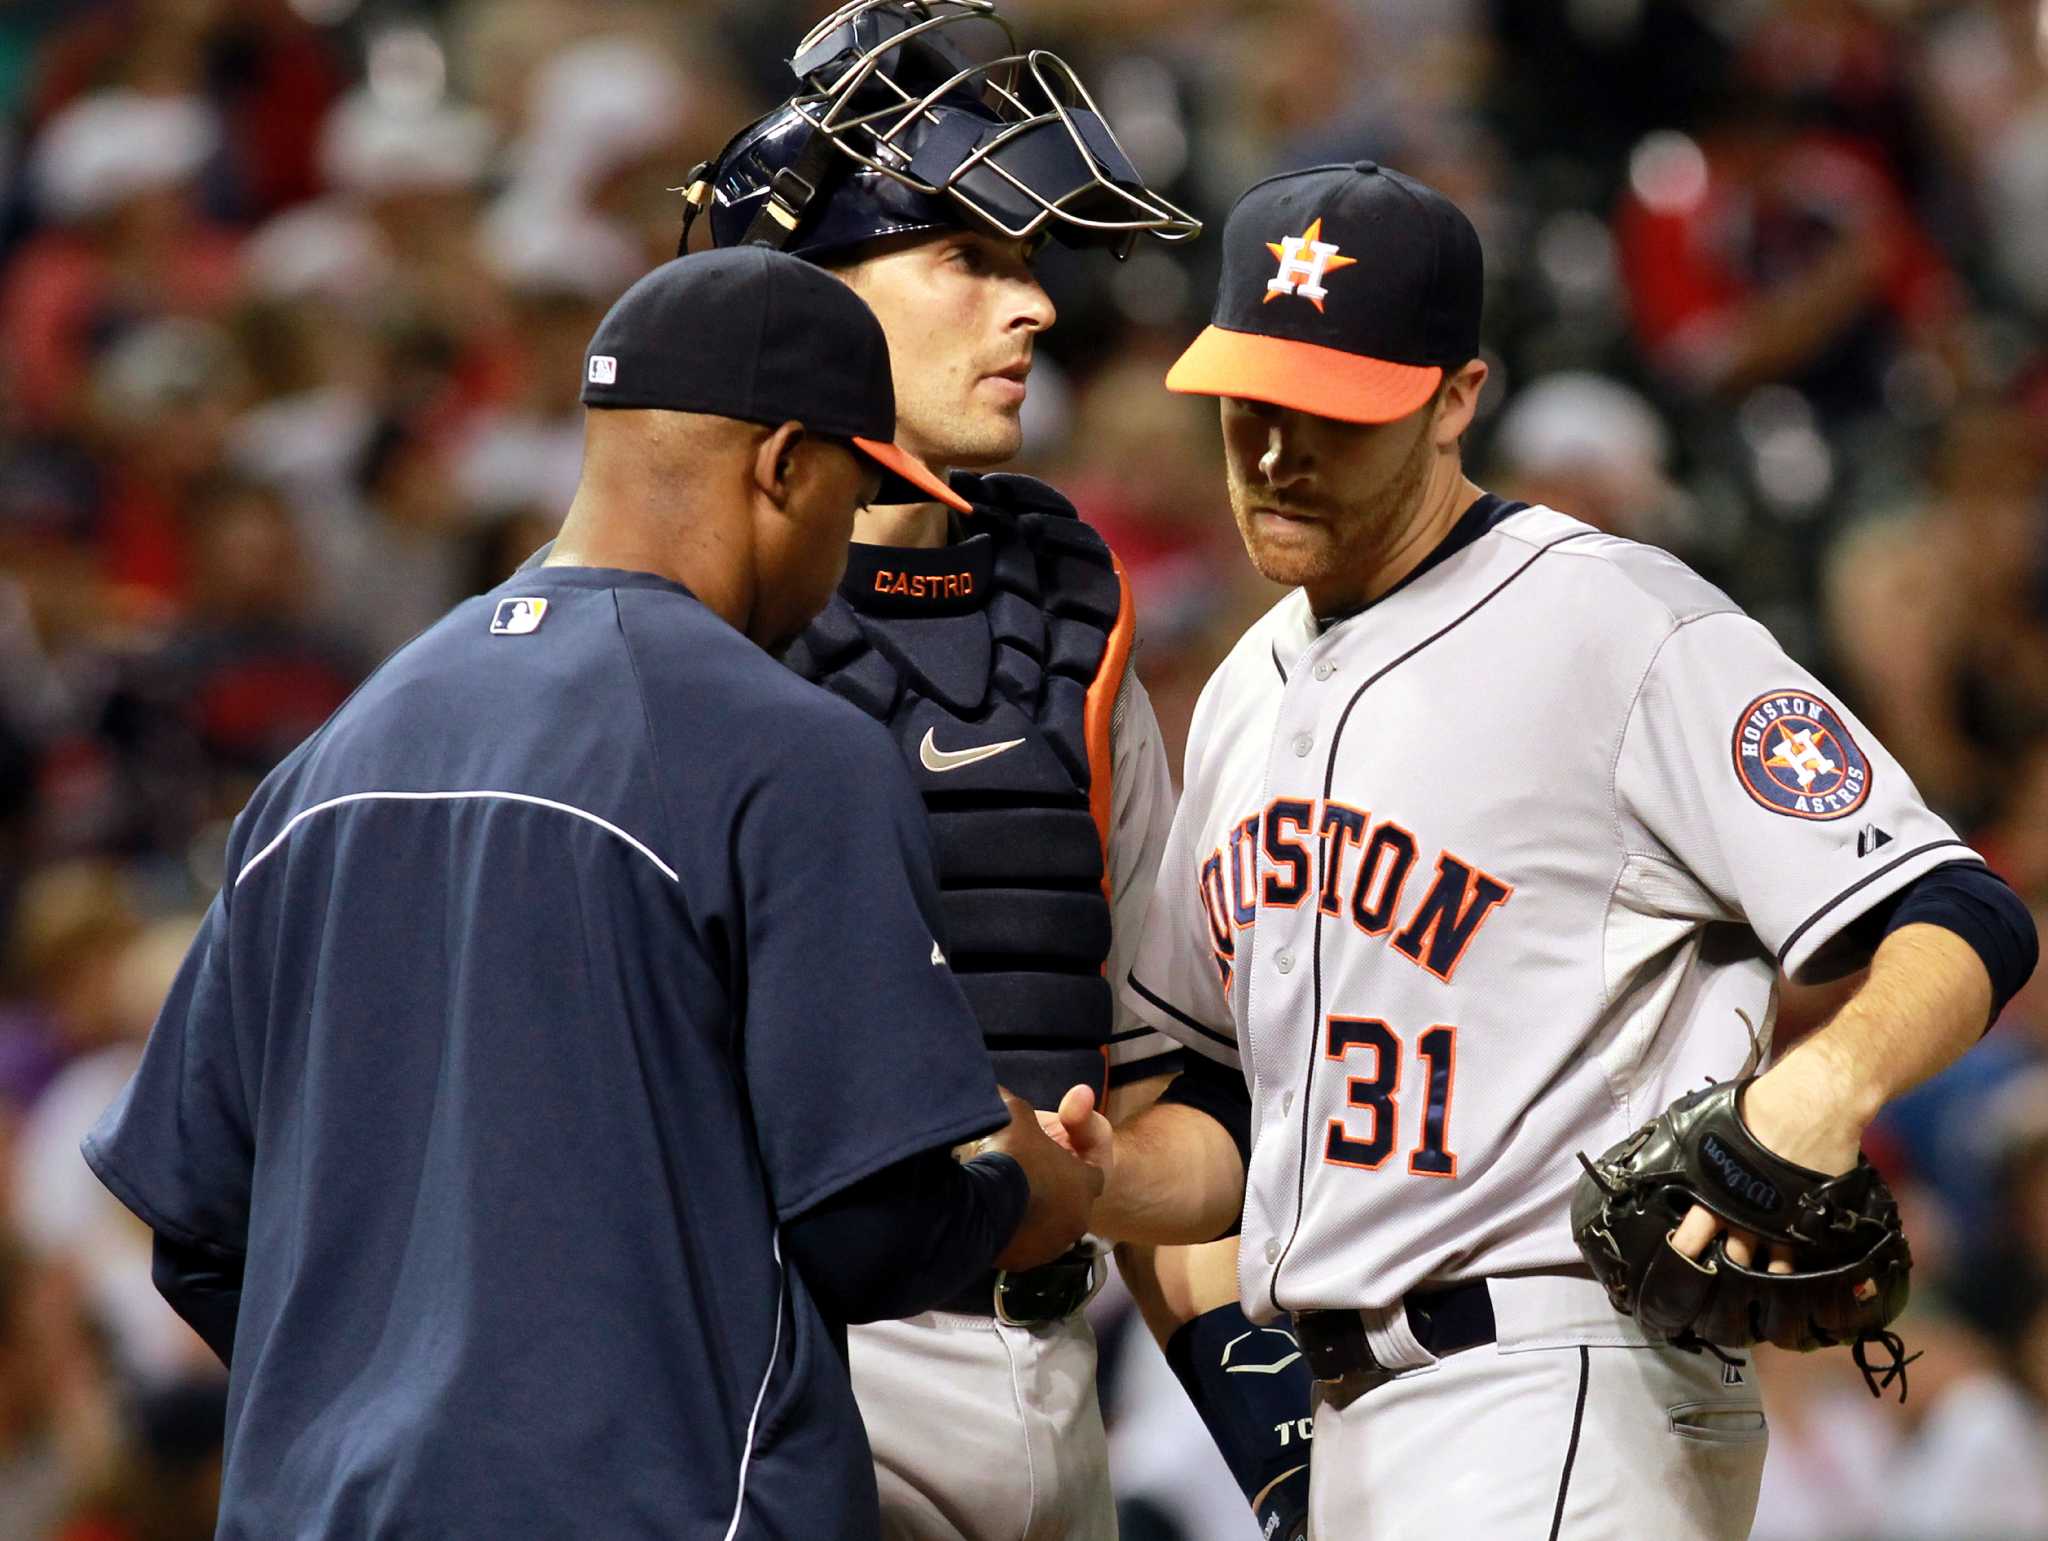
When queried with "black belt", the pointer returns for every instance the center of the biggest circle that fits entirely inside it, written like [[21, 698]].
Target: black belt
[[1033, 1296], [1443, 1321]]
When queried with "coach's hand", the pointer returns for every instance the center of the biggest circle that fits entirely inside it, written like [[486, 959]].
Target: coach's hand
[[1063, 1190]]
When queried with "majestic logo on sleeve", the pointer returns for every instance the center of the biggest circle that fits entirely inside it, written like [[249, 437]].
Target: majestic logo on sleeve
[[1304, 259], [1795, 756]]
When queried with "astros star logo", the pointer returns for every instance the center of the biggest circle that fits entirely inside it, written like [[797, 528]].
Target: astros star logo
[[1801, 754], [1304, 260]]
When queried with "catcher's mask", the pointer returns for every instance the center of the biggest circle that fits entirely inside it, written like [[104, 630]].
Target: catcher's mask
[[921, 115]]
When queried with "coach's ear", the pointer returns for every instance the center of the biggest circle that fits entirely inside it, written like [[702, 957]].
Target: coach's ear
[[775, 468], [1459, 402]]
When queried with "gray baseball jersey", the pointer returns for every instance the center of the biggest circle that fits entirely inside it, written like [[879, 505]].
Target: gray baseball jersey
[[1486, 875]]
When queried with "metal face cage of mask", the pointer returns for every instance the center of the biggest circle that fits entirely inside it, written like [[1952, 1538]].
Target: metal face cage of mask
[[934, 97]]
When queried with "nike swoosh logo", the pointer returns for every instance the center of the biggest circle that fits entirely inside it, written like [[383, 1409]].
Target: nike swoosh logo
[[933, 758]]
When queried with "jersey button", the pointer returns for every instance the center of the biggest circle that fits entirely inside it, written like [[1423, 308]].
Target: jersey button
[[1325, 669], [1272, 1251], [1303, 743], [1286, 1102], [1285, 961]]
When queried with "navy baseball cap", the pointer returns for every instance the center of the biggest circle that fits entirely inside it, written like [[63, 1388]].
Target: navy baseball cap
[[1347, 291], [757, 335]]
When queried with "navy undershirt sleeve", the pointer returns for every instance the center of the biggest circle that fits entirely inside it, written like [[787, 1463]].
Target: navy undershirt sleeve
[[1168, 1063], [1975, 903], [1220, 1092], [904, 1238]]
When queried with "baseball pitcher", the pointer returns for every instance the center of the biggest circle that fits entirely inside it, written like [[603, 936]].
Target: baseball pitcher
[[1496, 834]]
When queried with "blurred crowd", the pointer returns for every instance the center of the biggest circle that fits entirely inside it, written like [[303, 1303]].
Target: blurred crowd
[[293, 298]]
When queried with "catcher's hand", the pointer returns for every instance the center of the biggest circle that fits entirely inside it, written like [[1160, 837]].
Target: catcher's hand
[[1840, 1261]]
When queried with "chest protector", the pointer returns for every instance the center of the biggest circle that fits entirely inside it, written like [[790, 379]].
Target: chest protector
[[996, 662]]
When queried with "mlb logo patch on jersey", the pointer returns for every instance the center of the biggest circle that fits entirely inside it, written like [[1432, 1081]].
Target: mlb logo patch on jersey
[[517, 617], [1795, 756]]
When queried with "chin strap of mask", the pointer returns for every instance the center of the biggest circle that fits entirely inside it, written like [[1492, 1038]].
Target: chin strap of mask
[[696, 191]]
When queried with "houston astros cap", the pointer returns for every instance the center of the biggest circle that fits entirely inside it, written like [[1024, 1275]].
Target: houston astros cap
[[754, 334], [1347, 291]]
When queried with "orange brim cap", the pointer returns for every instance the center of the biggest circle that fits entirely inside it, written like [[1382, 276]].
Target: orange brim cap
[[906, 467], [1328, 382]]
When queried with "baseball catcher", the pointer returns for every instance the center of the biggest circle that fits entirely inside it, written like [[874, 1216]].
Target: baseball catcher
[[926, 157], [1848, 1257]]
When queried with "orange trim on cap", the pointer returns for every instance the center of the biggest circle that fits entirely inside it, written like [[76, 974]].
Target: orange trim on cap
[[911, 469], [1096, 717], [1306, 376]]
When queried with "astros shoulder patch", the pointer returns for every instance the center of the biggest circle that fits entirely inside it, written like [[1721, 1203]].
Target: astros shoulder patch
[[1793, 754]]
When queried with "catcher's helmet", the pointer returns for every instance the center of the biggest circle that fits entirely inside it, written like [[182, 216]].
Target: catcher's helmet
[[918, 115]]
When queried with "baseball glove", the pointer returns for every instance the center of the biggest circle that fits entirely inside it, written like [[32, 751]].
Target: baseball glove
[[1849, 1254]]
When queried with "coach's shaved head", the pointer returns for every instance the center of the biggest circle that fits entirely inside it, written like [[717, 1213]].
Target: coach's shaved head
[[754, 520]]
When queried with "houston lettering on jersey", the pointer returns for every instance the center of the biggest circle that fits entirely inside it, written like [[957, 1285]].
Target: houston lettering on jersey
[[1365, 867]]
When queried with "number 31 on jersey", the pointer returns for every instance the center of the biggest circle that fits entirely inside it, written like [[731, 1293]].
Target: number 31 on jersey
[[1376, 1096]]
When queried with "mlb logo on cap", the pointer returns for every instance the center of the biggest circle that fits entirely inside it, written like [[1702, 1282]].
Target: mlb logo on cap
[[604, 369], [517, 617]]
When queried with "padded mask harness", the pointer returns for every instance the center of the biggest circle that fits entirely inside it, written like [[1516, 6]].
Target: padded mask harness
[[1019, 855]]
